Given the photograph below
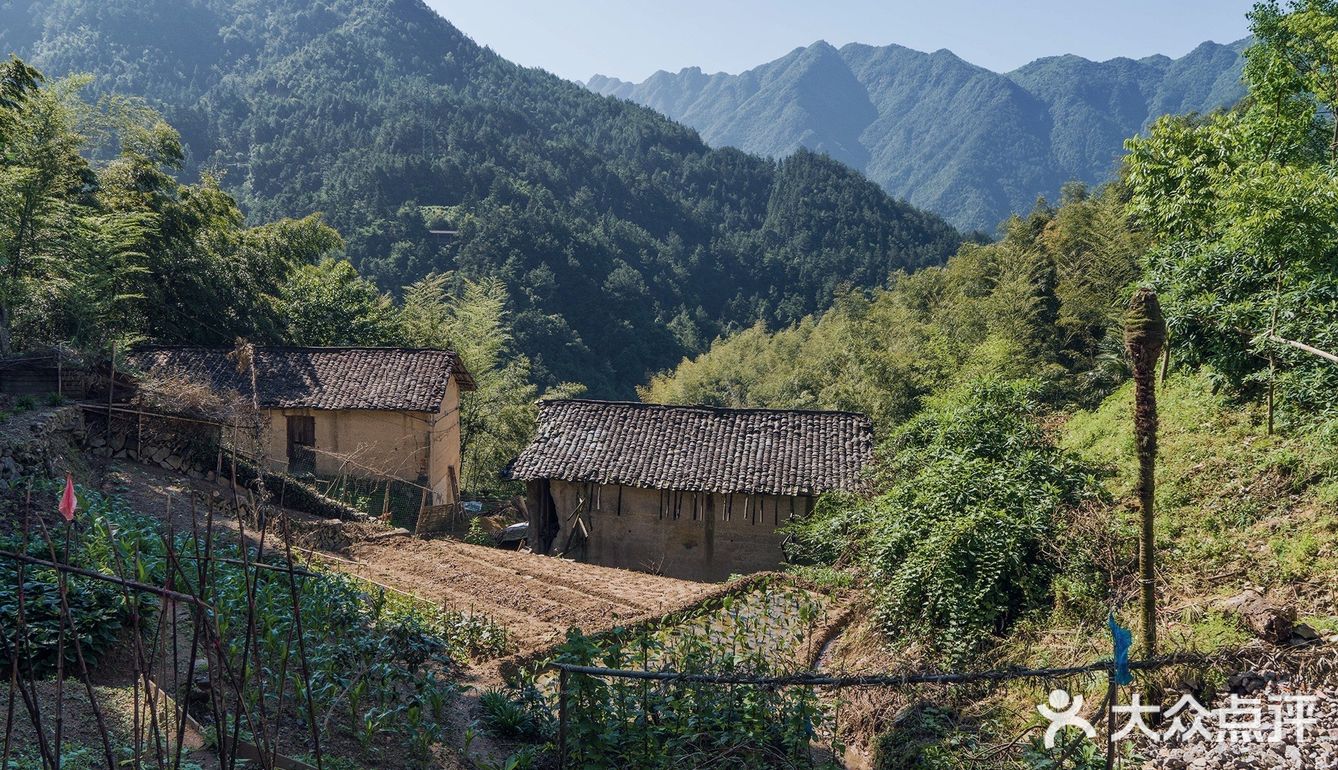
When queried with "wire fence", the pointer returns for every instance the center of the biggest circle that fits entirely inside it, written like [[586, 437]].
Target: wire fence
[[578, 703], [161, 660]]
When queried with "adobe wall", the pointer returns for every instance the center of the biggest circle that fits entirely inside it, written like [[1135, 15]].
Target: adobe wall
[[366, 443], [445, 453], [688, 535]]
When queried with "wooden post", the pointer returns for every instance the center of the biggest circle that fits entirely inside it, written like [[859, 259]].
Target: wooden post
[[562, 718], [1112, 692], [1272, 356], [111, 387]]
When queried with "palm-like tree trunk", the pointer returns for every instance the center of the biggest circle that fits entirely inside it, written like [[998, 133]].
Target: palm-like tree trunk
[[1144, 337]]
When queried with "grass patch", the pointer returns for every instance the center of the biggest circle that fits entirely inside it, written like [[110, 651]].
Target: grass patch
[[1232, 501]]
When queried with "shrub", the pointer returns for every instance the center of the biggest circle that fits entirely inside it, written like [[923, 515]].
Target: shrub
[[477, 535], [960, 540], [925, 737]]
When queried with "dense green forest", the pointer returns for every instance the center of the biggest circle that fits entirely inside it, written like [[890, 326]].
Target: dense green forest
[[100, 243], [622, 240], [1041, 302], [958, 139]]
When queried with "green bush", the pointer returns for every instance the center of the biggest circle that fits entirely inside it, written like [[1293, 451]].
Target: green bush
[[959, 541], [925, 737], [506, 717], [477, 535]]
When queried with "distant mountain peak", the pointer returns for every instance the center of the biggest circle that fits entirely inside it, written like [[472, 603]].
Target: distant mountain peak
[[598, 216], [969, 143]]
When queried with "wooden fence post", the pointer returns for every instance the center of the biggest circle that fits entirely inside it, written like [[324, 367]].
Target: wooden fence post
[[1112, 692], [562, 718]]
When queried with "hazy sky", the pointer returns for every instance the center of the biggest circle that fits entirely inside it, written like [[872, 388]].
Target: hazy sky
[[631, 39]]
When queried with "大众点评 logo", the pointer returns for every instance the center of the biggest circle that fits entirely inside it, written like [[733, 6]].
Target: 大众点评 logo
[[1241, 720]]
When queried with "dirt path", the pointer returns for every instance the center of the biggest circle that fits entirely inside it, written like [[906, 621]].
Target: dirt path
[[537, 598]]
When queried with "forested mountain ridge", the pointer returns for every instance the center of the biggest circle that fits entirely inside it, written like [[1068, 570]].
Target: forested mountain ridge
[[624, 241], [958, 139]]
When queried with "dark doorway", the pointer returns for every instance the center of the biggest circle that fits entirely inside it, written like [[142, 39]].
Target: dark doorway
[[301, 445], [548, 519]]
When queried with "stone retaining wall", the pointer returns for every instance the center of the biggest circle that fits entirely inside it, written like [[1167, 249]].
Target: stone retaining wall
[[38, 444], [178, 445]]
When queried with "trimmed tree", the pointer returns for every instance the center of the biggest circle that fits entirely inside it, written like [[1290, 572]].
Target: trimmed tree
[[1144, 338]]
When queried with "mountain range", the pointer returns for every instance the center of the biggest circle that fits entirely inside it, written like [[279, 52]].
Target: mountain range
[[625, 242], [944, 134]]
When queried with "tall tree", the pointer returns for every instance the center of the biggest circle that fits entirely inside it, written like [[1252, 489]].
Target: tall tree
[[497, 419], [328, 303], [99, 240], [17, 82], [51, 226], [1243, 207]]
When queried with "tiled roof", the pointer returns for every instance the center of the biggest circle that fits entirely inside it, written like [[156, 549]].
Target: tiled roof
[[401, 379], [705, 449]]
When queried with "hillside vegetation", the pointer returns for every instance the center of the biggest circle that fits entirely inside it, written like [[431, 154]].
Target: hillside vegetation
[[970, 144], [1004, 501], [623, 241], [1039, 303]]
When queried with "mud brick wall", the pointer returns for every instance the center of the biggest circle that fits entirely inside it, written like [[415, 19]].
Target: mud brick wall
[[688, 535]]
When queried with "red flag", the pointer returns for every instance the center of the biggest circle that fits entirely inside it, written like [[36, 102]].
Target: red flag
[[68, 501]]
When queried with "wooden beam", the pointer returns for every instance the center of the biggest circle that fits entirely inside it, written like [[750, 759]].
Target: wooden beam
[[1327, 356]]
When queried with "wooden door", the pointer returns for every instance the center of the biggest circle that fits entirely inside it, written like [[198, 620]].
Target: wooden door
[[301, 444]]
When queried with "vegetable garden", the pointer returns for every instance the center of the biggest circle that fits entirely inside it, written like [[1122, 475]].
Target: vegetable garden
[[269, 657]]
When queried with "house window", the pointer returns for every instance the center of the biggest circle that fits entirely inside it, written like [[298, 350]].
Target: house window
[[301, 445]]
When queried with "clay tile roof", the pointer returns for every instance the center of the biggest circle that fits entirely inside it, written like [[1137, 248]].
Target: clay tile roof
[[399, 379], [705, 449]]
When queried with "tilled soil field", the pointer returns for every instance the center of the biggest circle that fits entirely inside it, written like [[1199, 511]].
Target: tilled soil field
[[537, 598]]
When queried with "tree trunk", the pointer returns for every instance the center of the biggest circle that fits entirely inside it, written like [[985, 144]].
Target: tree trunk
[[1144, 337], [6, 345]]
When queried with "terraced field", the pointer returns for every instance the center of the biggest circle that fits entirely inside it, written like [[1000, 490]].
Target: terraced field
[[535, 597]]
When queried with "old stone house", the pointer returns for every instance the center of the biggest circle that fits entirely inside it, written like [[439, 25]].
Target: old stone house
[[379, 413], [685, 491]]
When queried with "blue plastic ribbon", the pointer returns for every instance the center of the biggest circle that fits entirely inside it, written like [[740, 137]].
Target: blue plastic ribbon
[[1124, 639]]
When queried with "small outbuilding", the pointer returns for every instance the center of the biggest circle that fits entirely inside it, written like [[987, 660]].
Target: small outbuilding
[[380, 413], [691, 492]]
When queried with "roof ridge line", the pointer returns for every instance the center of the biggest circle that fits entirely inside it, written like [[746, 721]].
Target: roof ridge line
[[267, 346], [701, 407]]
